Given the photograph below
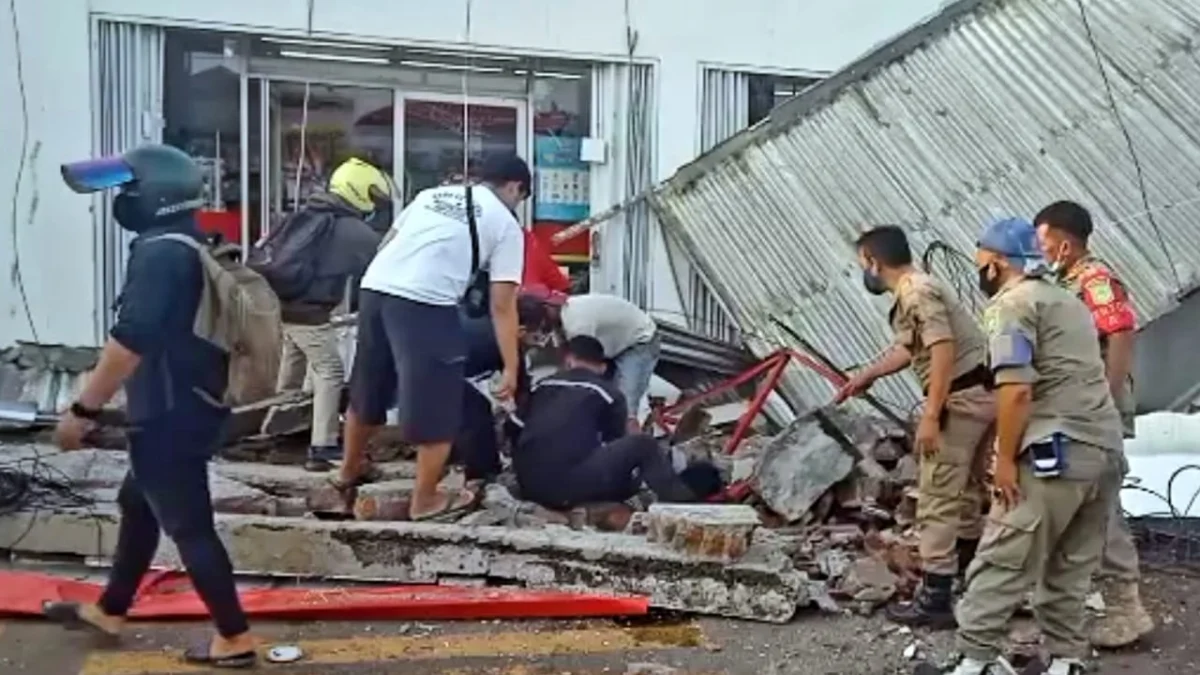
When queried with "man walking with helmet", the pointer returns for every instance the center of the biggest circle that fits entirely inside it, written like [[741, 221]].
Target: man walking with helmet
[[176, 384], [309, 261]]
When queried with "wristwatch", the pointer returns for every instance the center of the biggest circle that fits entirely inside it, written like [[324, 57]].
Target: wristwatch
[[83, 412]]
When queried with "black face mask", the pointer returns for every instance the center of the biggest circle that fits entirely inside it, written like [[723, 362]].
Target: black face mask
[[127, 211], [873, 283], [989, 280]]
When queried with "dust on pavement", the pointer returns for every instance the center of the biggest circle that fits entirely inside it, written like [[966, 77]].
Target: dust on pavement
[[814, 644]]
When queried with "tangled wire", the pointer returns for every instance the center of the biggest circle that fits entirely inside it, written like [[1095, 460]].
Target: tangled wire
[[30, 485], [1170, 537], [956, 269]]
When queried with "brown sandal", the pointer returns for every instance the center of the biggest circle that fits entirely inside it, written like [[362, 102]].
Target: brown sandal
[[348, 490]]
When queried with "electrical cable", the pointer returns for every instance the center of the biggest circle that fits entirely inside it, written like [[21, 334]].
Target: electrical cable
[[466, 105], [1176, 533], [1133, 155], [30, 485], [302, 159], [23, 97], [956, 269]]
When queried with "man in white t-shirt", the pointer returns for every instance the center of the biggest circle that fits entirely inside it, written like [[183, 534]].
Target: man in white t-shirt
[[628, 334], [411, 349]]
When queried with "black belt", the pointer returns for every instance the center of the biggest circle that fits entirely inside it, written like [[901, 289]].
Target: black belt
[[979, 376]]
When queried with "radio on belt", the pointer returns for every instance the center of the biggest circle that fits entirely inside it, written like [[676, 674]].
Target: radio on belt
[[1048, 457]]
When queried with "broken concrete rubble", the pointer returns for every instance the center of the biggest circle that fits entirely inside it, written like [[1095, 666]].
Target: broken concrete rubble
[[799, 466], [762, 586], [719, 531], [826, 486], [868, 582]]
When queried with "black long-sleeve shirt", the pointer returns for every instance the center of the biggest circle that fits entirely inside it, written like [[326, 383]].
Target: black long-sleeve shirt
[[565, 418]]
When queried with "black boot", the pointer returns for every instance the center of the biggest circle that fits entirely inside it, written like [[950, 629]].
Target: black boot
[[966, 553], [933, 607]]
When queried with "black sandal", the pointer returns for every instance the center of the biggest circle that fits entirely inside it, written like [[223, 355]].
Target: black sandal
[[201, 655], [68, 616]]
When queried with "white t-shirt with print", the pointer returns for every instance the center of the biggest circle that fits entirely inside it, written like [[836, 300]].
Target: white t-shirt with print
[[429, 258]]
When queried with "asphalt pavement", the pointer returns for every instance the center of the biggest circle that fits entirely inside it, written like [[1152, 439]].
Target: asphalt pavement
[[813, 644]]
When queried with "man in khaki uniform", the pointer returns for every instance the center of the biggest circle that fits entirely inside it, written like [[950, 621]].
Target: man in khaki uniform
[[943, 344], [1063, 231], [1058, 459]]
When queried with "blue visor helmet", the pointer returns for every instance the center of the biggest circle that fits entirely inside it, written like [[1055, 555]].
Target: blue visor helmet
[[94, 175], [155, 181]]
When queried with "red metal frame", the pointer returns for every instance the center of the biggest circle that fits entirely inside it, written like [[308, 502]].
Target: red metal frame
[[773, 367]]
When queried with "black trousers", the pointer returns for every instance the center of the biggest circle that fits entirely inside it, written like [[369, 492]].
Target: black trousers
[[476, 447], [613, 472], [166, 490]]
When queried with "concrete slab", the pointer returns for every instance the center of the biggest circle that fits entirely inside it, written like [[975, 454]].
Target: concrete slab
[[799, 466], [291, 480], [762, 586]]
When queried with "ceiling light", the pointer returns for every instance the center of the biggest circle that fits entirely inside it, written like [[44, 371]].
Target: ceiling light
[[297, 42], [433, 65], [342, 58], [551, 75], [461, 55]]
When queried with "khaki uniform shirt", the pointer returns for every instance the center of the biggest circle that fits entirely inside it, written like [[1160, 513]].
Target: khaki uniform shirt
[[927, 312], [1094, 282], [1040, 334]]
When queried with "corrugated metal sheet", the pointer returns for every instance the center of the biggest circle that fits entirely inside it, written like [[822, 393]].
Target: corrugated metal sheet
[[686, 348], [992, 107], [623, 105], [49, 375]]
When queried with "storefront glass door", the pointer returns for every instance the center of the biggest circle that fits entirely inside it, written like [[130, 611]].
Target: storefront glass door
[[433, 138], [311, 129], [416, 138]]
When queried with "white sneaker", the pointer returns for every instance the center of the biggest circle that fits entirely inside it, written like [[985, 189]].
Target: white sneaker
[[1000, 666], [970, 666], [1065, 667]]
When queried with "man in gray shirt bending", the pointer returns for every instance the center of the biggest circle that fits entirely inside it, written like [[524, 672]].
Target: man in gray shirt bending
[[628, 334]]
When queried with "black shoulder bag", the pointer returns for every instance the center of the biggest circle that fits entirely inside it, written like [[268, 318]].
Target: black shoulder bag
[[477, 298]]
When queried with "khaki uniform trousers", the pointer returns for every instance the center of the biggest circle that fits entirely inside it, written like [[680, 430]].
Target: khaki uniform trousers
[[311, 359], [1052, 541], [950, 490], [1120, 558]]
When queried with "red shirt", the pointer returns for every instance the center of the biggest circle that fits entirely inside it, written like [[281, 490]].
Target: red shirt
[[1105, 296], [540, 268]]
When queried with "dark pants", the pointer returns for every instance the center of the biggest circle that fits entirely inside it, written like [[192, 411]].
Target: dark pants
[[611, 473], [411, 355], [476, 447], [167, 490]]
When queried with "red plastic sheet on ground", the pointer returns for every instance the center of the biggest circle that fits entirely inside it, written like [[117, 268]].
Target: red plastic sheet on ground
[[169, 595]]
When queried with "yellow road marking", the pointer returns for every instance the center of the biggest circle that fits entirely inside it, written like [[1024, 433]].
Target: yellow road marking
[[447, 646]]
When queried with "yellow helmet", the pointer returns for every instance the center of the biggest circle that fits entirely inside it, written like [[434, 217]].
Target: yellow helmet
[[362, 186]]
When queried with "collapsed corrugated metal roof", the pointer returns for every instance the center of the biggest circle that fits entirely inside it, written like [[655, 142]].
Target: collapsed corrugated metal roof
[[993, 107], [683, 347], [49, 375]]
